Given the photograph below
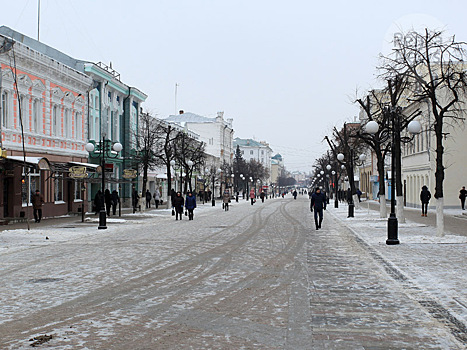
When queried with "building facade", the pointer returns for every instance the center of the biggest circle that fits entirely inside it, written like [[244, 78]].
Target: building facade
[[114, 110], [48, 111]]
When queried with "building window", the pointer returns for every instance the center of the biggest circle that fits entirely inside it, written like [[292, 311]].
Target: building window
[[32, 178], [24, 113], [78, 193], [55, 121], [58, 187], [5, 109], [262, 152], [67, 124], [35, 116], [251, 151]]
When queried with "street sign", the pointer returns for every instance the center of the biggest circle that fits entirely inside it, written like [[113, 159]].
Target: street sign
[[129, 173], [78, 172]]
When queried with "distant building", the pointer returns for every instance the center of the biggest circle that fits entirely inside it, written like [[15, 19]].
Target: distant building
[[216, 133], [259, 151]]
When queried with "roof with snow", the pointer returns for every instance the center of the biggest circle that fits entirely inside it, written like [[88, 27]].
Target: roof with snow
[[247, 143], [189, 117]]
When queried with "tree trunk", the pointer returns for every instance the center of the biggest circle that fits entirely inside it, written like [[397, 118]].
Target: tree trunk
[[383, 210], [440, 217], [169, 184], [399, 193], [439, 175]]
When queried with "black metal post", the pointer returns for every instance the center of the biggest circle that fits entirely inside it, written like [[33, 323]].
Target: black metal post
[[102, 212], [336, 200], [392, 220], [212, 194], [351, 203], [82, 203], [119, 201]]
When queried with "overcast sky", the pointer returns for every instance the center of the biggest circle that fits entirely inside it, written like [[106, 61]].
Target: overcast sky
[[285, 71]]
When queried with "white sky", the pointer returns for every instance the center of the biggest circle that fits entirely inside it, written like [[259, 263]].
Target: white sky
[[285, 71]]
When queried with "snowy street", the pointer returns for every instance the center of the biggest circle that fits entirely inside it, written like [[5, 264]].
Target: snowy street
[[254, 277]]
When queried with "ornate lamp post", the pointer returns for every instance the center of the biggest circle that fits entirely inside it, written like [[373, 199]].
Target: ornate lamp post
[[105, 151], [394, 132]]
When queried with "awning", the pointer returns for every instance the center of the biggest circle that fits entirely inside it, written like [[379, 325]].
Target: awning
[[39, 162], [161, 176], [87, 165]]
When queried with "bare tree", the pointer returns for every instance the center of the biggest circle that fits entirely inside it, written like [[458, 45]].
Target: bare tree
[[346, 142], [164, 150], [436, 67], [190, 155], [146, 143], [381, 106]]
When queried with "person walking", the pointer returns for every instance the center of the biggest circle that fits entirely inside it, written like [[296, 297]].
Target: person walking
[[252, 196], [135, 199], [178, 204], [318, 203], [98, 202], [425, 197], [462, 196], [157, 198], [108, 201], [37, 202], [294, 194], [190, 205], [148, 199], [226, 200], [115, 201]]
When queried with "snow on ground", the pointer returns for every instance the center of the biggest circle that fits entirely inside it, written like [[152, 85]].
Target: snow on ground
[[20, 239], [434, 266]]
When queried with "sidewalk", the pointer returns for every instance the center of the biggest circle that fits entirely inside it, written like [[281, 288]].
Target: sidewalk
[[431, 270]]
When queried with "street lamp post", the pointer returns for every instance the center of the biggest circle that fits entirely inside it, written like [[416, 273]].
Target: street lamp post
[[336, 200], [104, 151], [340, 158], [414, 127]]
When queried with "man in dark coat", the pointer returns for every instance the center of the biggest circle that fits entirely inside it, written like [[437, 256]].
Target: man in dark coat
[[115, 201], [318, 203], [99, 202], [462, 196], [178, 203], [148, 199], [108, 201], [37, 201], [425, 197]]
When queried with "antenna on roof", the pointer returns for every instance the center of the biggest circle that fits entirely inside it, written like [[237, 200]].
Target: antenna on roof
[[176, 86], [38, 17]]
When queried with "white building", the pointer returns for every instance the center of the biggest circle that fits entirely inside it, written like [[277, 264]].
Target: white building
[[259, 151], [216, 133]]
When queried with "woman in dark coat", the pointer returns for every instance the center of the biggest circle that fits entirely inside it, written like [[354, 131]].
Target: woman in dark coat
[[425, 197], [178, 204], [190, 205]]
